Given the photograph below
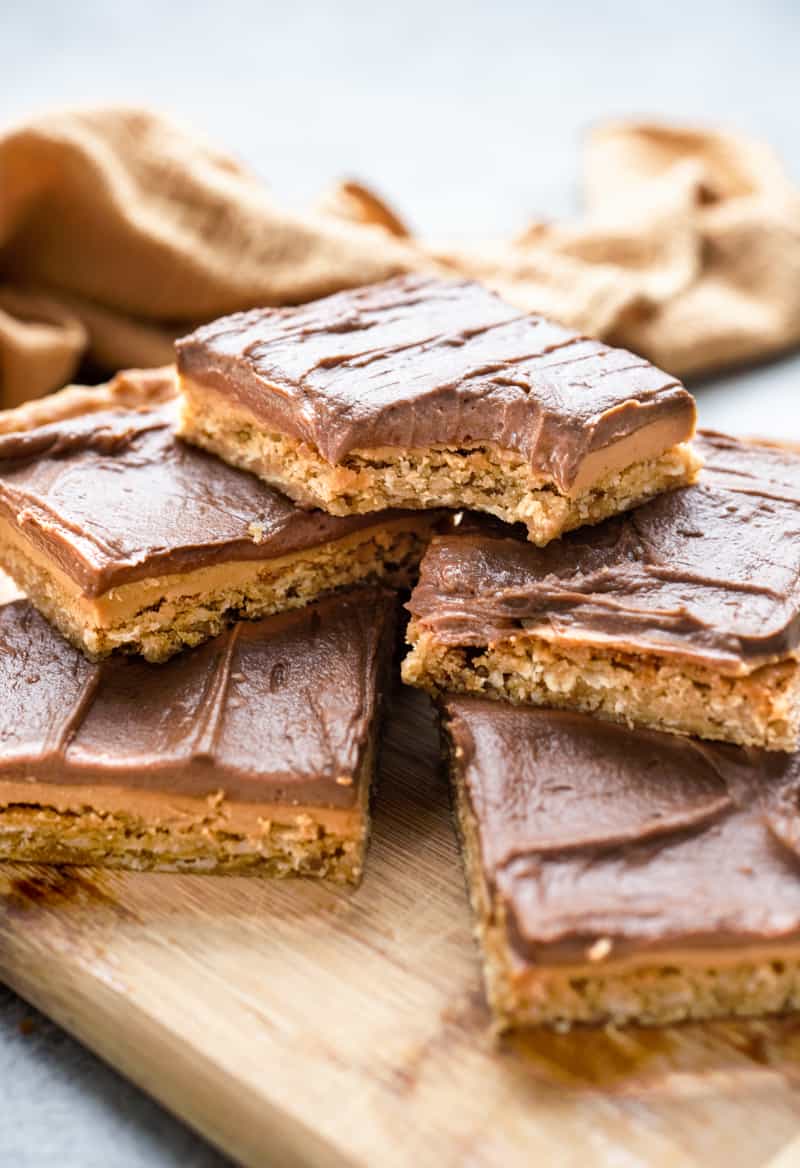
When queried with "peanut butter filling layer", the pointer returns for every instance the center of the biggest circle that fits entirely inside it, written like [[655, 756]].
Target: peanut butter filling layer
[[164, 811]]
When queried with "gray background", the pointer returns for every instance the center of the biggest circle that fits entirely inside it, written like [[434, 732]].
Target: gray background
[[469, 116]]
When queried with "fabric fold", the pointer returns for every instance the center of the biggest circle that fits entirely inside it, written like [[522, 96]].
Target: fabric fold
[[120, 230]]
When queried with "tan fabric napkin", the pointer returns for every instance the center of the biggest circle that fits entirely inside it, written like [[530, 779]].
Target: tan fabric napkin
[[8, 589], [119, 230]]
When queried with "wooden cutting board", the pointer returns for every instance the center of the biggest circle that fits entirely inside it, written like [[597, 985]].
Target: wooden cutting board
[[298, 1024]]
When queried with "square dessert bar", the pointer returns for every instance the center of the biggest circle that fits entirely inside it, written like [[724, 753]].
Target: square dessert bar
[[625, 875], [252, 753], [683, 615], [126, 538], [432, 393]]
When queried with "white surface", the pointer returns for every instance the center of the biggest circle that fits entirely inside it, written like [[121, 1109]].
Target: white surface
[[468, 116], [61, 1106]]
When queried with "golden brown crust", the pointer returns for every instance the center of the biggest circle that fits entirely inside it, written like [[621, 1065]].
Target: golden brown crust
[[37, 833], [758, 709]]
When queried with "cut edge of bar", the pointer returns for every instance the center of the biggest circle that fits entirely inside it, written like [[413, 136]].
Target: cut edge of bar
[[480, 476], [157, 631], [759, 709]]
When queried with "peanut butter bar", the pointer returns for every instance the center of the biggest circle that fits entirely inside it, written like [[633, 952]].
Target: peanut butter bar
[[625, 876], [431, 393], [251, 754], [126, 538], [683, 615]]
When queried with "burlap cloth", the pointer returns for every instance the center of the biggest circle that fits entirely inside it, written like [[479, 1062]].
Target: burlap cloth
[[119, 230]]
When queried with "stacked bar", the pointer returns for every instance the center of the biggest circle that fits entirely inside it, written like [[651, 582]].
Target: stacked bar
[[126, 538], [683, 615], [424, 393], [253, 751]]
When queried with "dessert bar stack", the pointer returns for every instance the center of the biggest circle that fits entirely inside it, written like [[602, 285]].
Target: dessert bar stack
[[127, 538], [252, 748], [620, 872], [610, 633]]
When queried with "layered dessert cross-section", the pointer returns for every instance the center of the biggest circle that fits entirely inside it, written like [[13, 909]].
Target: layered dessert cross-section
[[683, 615], [127, 538], [625, 875], [433, 393], [252, 753]]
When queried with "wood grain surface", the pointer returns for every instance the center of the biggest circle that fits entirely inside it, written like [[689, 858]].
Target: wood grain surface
[[295, 1023]]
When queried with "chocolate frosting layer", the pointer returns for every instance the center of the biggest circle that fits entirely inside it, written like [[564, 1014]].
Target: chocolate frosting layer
[[272, 711], [711, 571], [419, 361], [591, 831], [114, 496]]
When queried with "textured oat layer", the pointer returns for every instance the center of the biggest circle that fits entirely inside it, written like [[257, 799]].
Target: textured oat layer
[[481, 477], [758, 709], [696, 986], [170, 833], [655, 995], [35, 833], [158, 617]]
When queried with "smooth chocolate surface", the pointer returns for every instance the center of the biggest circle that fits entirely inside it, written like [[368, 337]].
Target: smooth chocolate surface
[[711, 571], [272, 711], [115, 496], [419, 361], [589, 830]]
